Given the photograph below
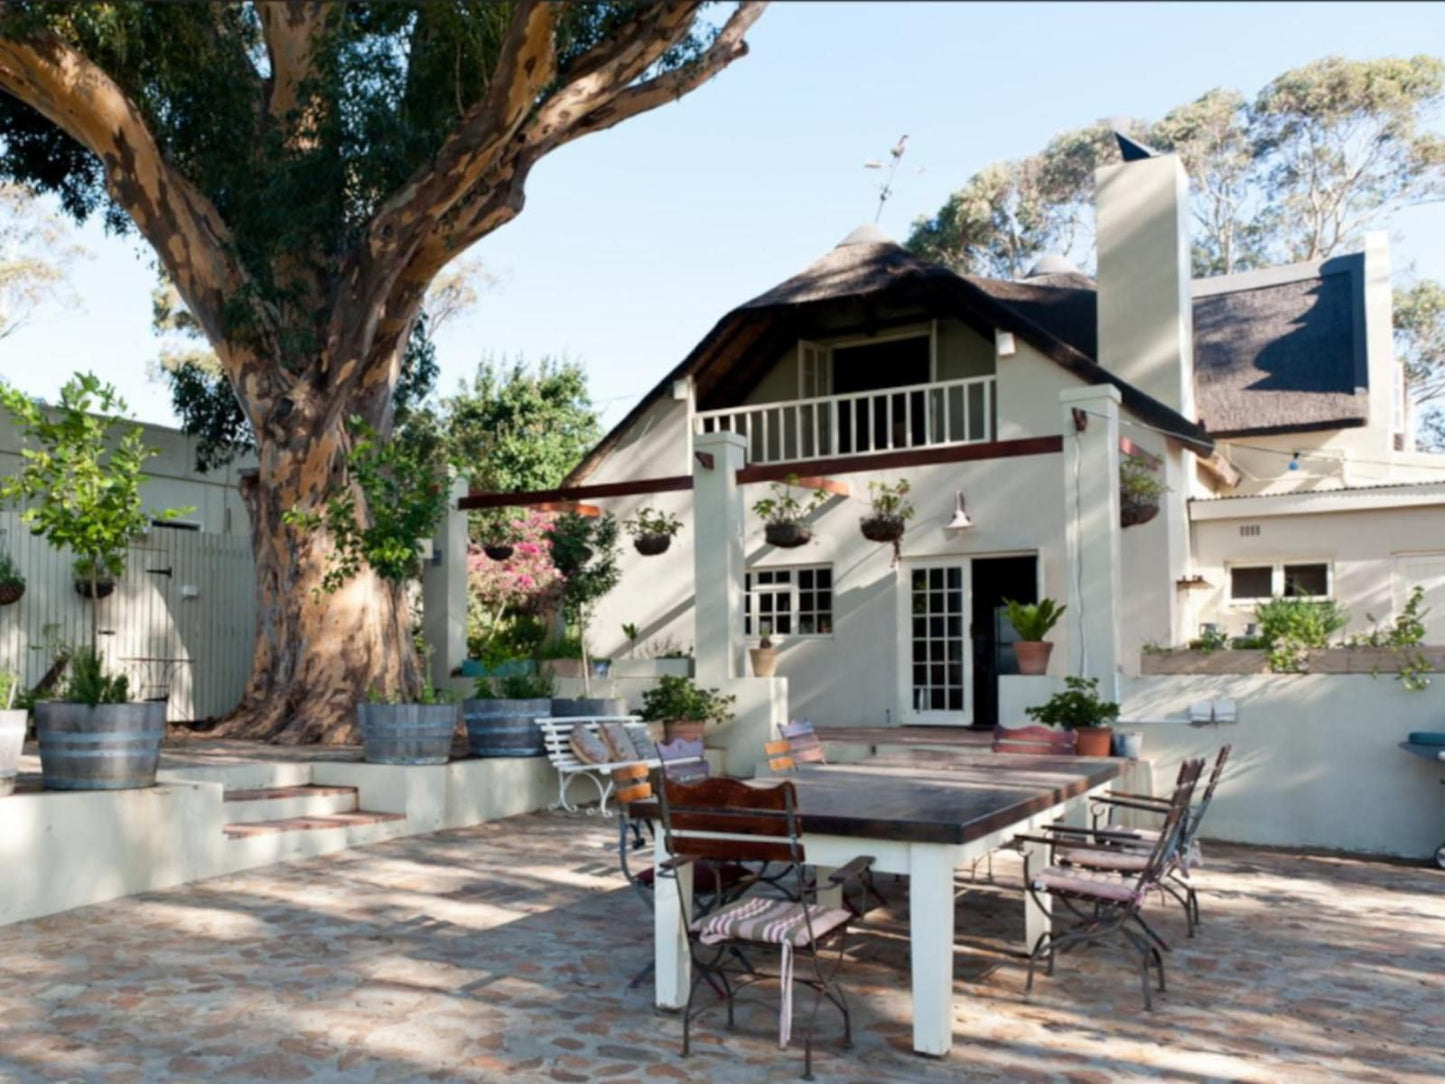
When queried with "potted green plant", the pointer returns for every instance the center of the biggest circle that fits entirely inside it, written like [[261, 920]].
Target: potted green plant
[[92, 737], [12, 731], [783, 514], [12, 580], [652, 531], [765, 656], [494, 527], [684, 709], [888, 517], [1139, 491], [1033, 621], [1080, 708], [403, 718], [79, 485], [501, 714]]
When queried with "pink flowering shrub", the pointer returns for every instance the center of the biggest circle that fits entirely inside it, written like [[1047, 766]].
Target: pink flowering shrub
[[525, 584]]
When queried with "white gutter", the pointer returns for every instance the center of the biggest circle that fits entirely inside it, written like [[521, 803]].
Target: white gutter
[[1318, 501]]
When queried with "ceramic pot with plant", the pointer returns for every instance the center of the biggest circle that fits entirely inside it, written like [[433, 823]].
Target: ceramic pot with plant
[[1080, 708], [1033, 621], [783, 514], [888, 517], [765, 656], [1139, 491], [684, 709], [12, 580], [652, 531], [12, 731], [92, 737]]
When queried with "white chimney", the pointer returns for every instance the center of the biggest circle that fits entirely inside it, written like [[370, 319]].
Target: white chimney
[[1146, 327]]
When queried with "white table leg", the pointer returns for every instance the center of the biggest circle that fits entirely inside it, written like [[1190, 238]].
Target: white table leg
[[1038, 916], [671, 958], [930, 916], [828, 895]]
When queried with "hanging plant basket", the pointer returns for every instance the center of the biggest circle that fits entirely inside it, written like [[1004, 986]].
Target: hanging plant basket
[[787, 536], [1133, 513], [882, 528], [11, 593], [498, 551], [650, 545], [103, 588]]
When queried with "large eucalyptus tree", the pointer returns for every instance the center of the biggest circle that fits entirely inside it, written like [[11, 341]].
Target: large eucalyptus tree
[[303, 171]]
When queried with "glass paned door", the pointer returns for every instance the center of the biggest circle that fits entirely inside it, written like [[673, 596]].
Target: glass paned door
[[935, 667]]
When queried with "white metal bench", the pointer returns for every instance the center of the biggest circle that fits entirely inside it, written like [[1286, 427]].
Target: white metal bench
[[557, 736]]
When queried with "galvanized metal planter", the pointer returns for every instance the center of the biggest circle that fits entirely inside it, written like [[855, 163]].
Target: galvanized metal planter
[[106, 747], [407, 733], [506, 728], [566, 707], [12, 738]]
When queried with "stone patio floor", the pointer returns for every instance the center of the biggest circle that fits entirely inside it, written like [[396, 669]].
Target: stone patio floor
[[502, 953]]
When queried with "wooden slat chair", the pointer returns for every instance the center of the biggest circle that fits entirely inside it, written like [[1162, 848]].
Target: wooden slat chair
[[803, 742], [1035, 740], [761, 824], [1105, 904], [683, 760]]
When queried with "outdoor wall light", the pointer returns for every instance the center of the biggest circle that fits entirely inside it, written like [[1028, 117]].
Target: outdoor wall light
[[961, 520]]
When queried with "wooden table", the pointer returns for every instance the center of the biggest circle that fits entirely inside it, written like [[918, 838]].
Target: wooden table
[[922, 813]]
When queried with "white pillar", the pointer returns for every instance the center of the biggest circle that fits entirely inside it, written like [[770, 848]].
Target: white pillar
[[718, 555], [1091, 527], [444, 591]]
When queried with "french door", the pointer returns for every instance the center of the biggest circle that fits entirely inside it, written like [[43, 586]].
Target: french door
[[935, 665]]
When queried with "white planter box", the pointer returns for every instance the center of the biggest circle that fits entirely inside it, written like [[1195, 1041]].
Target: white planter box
[[651, 668]]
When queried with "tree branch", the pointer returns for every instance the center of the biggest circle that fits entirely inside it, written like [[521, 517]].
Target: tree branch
[[290, 29], [184, 228]]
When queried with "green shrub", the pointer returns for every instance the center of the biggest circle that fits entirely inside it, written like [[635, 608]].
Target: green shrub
[[539, 686], [88, 683], [677, 698], [651, 521], [1290, 628], [1079, 706], [429, 695], [1033, 621]]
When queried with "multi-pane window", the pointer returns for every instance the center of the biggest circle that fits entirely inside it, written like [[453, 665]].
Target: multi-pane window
[[789, 602], [1249, 583], [936, 597]]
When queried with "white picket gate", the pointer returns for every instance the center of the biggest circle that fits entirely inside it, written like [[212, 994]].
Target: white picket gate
[[180, 623]]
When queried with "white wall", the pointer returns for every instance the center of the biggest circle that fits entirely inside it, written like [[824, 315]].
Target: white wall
[[1315, 761]]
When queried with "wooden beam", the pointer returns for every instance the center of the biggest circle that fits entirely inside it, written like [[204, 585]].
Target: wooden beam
[[916, 457], [671, 484], [827, 485]]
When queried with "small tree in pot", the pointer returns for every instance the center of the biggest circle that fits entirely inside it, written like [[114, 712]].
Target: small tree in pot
[[783, 514], [1080, 709], [91, 737], [403, 482], [683, 709], [584, 549], [652, 531], [1033, 621], [888, 518]]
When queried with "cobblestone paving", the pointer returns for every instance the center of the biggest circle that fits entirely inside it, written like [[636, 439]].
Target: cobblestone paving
[[502, 953]]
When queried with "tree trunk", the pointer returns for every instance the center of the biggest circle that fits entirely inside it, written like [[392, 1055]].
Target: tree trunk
[[316, 655]]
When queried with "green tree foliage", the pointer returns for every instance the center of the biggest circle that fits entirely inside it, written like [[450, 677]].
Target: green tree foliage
[[36, 254], [585, 551], [1323, 153], [1420, 347]]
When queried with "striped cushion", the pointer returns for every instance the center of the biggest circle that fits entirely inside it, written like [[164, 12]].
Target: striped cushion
[[1193, 855], [768, 921], [1076, 882], [1119, 861]]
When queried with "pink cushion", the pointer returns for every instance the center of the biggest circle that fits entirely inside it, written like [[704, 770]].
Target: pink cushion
[[1119, 861], [1076, 882], [768, 921]]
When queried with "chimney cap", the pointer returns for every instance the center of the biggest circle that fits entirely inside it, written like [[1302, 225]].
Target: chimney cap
[[1132, 150], [1052, 263], [866, 234]]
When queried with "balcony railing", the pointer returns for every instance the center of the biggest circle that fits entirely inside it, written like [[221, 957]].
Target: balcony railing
[[890, 419]]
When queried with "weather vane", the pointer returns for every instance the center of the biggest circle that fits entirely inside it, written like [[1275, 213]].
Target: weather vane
[[886, 188]]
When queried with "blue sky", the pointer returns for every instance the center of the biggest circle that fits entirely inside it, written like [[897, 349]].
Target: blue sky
[[635, 241]]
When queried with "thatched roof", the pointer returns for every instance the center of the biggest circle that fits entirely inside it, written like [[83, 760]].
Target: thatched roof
[[881, 278]]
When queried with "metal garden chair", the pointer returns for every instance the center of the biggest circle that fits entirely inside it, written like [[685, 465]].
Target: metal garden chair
[[693, 818], [1103, 904]]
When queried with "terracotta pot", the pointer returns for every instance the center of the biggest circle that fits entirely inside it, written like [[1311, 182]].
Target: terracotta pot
[[1133, 513], [1094, 741], [687, 729], [650, 545], [787, 536], [498, 551], [1033, 656], [765, 661]]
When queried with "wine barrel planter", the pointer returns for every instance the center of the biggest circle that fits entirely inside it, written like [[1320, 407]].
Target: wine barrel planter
[[106, 747], [1133, 513], [787, 536], [651, 545], [567, 707], [102, 588], [498, 551], [407, 733], [12, 738], [505, 728], [11, 593]]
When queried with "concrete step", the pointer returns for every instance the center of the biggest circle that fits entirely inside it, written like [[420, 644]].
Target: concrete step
[[235, 774], [357, 819], [262, 804]]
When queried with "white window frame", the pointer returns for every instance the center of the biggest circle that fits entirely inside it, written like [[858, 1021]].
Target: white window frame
[[903, 594], [791, 590], [1276, 578]]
